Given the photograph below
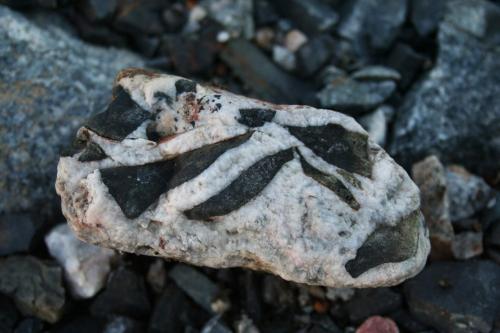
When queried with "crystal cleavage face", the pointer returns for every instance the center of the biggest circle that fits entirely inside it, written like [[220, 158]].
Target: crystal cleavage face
[[176, 169]]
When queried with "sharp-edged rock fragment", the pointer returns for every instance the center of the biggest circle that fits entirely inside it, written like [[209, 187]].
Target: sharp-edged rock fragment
[[233, 181], [35, 287], [86, 266], [264, 79]]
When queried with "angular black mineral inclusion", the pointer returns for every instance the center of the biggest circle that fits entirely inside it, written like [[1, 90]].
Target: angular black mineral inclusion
[[191, 164], [243, 189], [331, 182], [337, 146], [135, 188], [184, 86], [387, 245], [256, 117], [121, 118], [93, 152]]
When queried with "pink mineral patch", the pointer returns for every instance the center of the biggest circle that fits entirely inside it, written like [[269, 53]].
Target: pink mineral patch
[[377, 324]]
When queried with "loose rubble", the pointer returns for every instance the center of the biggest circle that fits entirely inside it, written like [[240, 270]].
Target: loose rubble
[[441, 57], [113, 192], [453, 123]]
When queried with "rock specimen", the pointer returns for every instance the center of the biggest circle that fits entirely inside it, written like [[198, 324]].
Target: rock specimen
[[49, 83], [86, 266], [441, 115], [430, 176], [35, 287], [176, 169], [17, 232], [436, 297]]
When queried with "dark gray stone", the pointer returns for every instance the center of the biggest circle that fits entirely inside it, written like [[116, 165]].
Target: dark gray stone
[[48, 89], [372, 23], [446, 113], [313, 55], [192, 54], [17, 232], [369, 302], [426, 15], [80, 324], [264, 79], [456, 297], [491, 214], [134, 16], [469, 194], [8, 314], [200, 288], [174, 311], [35, 287], [243, 189], [29, 325], [98, 10], [125, 295], [311, 16], [405, 321], [407, 62], [355, 97]]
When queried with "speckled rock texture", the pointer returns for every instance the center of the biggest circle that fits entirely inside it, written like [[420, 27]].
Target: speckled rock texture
[[49, 83], [445, 113], [197, 174]]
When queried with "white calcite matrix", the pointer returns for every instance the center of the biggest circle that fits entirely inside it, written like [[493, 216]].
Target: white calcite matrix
[[194, 173]]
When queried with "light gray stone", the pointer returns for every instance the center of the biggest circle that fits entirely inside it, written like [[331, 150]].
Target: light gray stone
[[377, 122], [467, 245], [198, 174], [469, 194], [86, 266], [49, 82]]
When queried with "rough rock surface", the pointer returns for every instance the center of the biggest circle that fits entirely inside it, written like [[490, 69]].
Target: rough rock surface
[[436, 296], [49, 82], [194, 173], [86, 266], [469, 194], [430, 176], [35, 287], [17, 232], [445, 114]]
